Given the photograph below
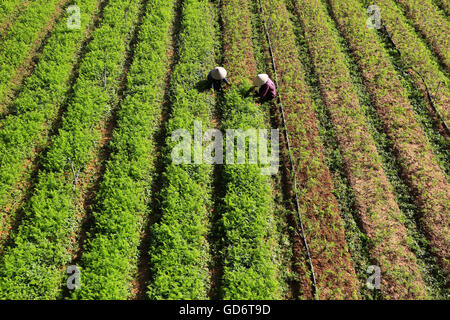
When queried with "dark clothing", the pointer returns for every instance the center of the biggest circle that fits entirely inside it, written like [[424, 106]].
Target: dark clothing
[[214, 84], [267, 91]]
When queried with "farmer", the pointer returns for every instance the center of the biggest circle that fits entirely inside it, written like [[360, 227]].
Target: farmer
[[215, 78], [266, 86]]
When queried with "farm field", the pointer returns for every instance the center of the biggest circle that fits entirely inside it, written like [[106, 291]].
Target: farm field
[[125, 176]]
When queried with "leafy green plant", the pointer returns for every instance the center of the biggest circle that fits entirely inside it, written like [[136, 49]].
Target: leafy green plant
[[33, 267], [249, 271], [21, 38], [444, 5], [109, 260], [418, 165], [426, 17], [179, 253], [9, 6]]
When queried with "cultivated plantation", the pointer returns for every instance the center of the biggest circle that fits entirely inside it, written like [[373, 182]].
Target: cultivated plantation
[[124, 175]]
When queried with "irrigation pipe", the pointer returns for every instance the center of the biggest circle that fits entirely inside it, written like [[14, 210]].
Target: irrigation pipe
[[291, 162]]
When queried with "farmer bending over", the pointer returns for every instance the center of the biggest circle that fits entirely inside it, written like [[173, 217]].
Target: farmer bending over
[[267, 90], [215, 78]]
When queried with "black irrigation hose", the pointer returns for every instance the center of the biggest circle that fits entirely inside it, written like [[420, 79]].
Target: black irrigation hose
[[430, 97], [291, 162]]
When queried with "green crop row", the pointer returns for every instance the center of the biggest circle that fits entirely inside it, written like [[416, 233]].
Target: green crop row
[[249, 271], [357, 240], [109, 261], [416, 54], [324, 227], [377, 212], [179, 251], [25, 130], [21, 38], [9, 6], [33, 267], [418, 165], [434, 26]]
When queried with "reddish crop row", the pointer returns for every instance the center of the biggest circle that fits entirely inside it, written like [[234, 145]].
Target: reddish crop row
[[324, 227], [24, 35], [432, 24], [418, 165], [110, 258], [249, 270]]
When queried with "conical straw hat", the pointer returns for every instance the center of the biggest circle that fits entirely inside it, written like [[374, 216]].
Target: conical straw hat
[[260, 79], [219, 73]]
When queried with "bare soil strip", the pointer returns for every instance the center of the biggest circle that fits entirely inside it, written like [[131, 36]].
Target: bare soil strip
[[30, 62]]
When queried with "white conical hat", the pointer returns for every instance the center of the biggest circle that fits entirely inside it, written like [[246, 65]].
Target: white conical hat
[[219, 73], [260, 79]]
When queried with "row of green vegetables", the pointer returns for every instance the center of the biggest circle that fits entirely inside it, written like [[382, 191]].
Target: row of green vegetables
[[324, 229], [33, 267], [433, 25], [377, 211], [342, 190], [21, 38], [179, 250], [109, 259], [24, 131], [245, 223], [417, 162]]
